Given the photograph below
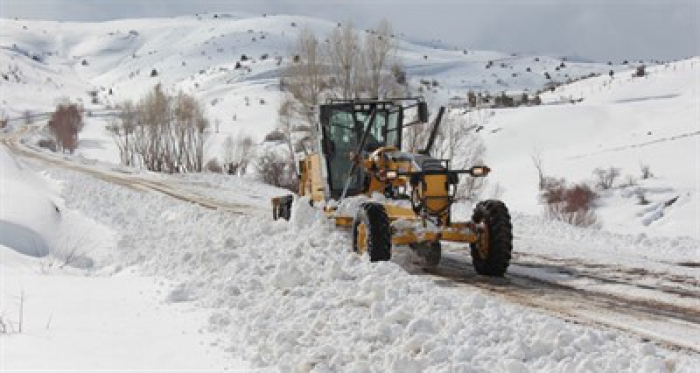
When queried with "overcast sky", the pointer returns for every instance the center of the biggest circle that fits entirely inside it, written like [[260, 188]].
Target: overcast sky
[[596, 29]]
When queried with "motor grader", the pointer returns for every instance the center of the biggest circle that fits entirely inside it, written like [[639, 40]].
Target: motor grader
[[405, 199]]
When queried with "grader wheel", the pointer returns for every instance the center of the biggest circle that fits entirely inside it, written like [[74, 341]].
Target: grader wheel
[[492, 252], [371, 232]]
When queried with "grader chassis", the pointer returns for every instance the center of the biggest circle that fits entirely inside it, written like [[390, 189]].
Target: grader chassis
[[360, 155]]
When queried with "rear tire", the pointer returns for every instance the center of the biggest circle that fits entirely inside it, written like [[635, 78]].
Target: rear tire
[[491, 255], [372, 218]]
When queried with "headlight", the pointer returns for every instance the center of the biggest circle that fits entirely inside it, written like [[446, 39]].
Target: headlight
[[479, 171]]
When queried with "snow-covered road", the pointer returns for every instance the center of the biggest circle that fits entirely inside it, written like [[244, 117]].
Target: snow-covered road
[[290, 295], [590, 294]]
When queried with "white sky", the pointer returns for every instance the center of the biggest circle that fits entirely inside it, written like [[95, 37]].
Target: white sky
[[596, 29]]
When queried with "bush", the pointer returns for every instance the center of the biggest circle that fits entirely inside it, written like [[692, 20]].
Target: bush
[[275, 135], [605, 179], [273, 169], [572, 204], [214, 166], [629, 181], [641, 197], [47, 144], [646, 171], [237, 153]]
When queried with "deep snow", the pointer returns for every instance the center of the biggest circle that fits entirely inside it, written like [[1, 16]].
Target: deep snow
[[74, 321], [290, 295]]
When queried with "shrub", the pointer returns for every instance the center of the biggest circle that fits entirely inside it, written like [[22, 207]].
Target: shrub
[[273, 169], [641, 197], [646, 171], [572, 204], [214, 166], [629, 181], [275, 135], [605, 179], [47, 144], [237, 153]]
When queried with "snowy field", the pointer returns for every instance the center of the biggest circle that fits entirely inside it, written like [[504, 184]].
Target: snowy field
[[104, 270]]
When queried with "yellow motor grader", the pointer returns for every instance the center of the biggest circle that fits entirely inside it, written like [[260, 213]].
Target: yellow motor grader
[[403, 198]]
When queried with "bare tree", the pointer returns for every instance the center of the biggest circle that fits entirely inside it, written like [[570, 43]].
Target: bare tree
[[346, 63], [605, 179], [162, 133], [65, 124], [285, 122], [537, 161], [122, 131], [237, 154], [345, 67], [379, 47], [305, 80]]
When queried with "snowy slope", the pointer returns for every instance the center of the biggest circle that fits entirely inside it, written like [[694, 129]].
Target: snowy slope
[[42, 61], [623, 122]]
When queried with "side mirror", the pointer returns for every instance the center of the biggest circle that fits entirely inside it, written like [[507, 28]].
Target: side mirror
[[423, 112]]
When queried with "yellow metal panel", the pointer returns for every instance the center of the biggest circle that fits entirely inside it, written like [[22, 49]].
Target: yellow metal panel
[[398, 212], [343, 221], [408, 236], [436, 192], [311, 178]]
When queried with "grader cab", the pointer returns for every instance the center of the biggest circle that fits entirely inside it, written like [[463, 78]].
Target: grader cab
[[387, 197]]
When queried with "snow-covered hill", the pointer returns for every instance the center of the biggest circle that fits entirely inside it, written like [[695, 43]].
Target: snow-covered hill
[[621, 122], [42, 61]]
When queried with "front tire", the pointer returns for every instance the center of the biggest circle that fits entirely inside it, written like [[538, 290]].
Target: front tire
[[371, 232], [492, 252]]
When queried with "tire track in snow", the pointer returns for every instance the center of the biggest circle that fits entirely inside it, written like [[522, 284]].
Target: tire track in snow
[[128, 181], [668, 324]]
